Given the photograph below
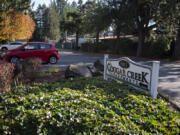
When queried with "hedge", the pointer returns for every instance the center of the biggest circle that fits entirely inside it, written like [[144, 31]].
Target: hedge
[[84, 106]]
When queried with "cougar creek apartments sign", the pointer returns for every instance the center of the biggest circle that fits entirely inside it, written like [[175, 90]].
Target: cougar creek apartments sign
[[140, 76]]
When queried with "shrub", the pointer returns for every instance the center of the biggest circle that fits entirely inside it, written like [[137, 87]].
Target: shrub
[[84, 106], [157, 48], [6, 75], [31, 67], [122, 46]]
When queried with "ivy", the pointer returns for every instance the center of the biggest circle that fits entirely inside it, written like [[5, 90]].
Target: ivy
[[84, 106]]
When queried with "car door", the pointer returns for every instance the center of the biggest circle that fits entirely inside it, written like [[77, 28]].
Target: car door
[[31, 50], [45, 51]]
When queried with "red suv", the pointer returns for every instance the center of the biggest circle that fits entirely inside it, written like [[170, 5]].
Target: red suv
[[45, 51]]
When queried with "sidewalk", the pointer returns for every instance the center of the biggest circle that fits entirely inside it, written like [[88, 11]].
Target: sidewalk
[[169, 81]]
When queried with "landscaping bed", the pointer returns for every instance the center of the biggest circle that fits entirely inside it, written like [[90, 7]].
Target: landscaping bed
[[84, 106]]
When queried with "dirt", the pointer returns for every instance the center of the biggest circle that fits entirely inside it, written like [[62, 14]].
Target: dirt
[[51, 78]]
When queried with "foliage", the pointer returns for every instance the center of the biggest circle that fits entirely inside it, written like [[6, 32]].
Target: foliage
[[122, 46], [97, 18], [47, 23], [169, 20], [136, 14], [15, 22], [72, 21], [16, 26], [50, 71], [53, 26], [158, 48], [18, 5], [6, 75], [40, 18], [84, 106], [31, 67]]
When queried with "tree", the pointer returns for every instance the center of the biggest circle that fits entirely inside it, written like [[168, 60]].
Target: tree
[[53, 29], [18, 5], [16, 26], [72, 22], [141, 12], [40, 18], [97, 18], [61, 4], [73, 5], [10, 12], [48, 23], [169, 19]]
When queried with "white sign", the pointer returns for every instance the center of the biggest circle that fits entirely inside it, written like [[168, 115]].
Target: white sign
[[140, 76]]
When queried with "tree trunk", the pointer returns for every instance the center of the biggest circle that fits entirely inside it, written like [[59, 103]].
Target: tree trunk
[[65, 36], [140, 42], [177, 46], [77, 40], [97, 38], [118, 32]]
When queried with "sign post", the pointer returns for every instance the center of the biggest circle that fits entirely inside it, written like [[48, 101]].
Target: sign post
[[155, 78], [106, 56], [137, 75]]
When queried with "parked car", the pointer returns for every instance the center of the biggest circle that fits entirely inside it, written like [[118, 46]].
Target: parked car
[[12, 45], [45, 51]]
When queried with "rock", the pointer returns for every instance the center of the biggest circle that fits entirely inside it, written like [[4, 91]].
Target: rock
[[97, 68], [98, 65], [77, 70], [94, 71]]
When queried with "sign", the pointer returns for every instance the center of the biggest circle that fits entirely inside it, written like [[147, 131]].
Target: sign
[[137, 75]]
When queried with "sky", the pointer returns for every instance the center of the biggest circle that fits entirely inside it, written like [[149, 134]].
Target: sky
[[47, 2]]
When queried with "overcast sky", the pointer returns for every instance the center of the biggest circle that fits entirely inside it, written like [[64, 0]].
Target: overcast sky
[[47, 2]]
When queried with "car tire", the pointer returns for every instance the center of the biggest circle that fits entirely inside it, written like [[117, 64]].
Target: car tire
[[53, 60], [4, 49], [14, 59]]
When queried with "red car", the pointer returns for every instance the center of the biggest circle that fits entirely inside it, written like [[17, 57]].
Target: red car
[[45, 51]]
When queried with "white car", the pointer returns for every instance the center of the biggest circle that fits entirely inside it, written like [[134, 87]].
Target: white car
[[10, 46]]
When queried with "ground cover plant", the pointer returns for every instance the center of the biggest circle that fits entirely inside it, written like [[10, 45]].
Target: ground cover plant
[[84, 106]]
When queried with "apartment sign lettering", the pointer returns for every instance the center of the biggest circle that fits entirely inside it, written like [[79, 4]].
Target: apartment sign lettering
[[126, 70]]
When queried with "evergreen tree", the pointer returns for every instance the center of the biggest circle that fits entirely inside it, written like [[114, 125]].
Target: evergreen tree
[[40, 18], [53, 22], [61, 5], [169, 19]]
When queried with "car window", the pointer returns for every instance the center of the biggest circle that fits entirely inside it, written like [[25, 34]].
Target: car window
[[45, 46], [32, 47], [15, 43]]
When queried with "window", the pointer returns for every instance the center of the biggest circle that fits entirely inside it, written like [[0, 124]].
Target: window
[[32, 47], [45, 46], [15, 43]]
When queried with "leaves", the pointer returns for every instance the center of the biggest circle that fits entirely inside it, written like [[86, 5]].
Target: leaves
[[84, 106], [15, 25]]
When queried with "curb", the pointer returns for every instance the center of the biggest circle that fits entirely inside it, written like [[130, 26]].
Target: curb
[[175, 106]]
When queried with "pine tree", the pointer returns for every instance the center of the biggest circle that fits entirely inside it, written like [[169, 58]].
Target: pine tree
[[53, 22]]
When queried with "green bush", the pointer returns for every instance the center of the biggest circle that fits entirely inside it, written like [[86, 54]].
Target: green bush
[[122, 46], [157, 48], [85, 46], [84, 106]]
